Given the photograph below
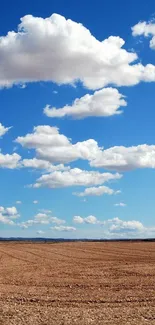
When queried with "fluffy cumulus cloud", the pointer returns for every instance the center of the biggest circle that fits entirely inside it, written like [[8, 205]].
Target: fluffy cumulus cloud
[[43, 135], [120, 226], [8, 215], [42, 164], [74, 177], [11, 212], [54, 147], [57, 220], [3, 129], [6, 220], [89, 220], [46, 219], [97, 191], [116, 227], [126, 158], [10, 161], [78, 219], [104, 102], [145, 29], [41, 219], [63, 51], [85, 150]]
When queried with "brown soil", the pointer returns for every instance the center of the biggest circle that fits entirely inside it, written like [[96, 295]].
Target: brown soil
[[77, 283]]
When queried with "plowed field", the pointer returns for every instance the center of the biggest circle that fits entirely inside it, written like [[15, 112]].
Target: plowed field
[[77, 283]]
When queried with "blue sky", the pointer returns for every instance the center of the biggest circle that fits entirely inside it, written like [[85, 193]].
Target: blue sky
[[77, 90]]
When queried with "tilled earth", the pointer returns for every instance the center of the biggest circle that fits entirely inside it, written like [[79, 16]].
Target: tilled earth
[[77, 283]]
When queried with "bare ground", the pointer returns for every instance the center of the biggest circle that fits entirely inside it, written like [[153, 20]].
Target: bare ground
[[77, 283]]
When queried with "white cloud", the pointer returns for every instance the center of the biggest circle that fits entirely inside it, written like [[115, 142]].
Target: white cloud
[[26, 224], [41, 219], [18, 202], [14, 148], [39, 138], [74, 177], [63, 228], [11, 211], [44, 135], [57, 220], [63, 51], [3, 129], [10, 161], [54, 147], [145, 29], [45, 211], [121, 204], [8, 215], [6, 221], [78, 219], [126, 158], [85, 150], [42, 164], [89, 220], [36, 163], [104, 102], [35, 202], [117, 226], [97, 191], [40, 232]]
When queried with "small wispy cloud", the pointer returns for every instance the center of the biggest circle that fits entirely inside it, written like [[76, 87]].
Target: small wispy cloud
[[35, 202], [18, 202], [121, 204]]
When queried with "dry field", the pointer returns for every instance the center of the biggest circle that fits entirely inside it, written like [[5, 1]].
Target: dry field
[[77, 283]]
